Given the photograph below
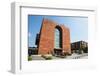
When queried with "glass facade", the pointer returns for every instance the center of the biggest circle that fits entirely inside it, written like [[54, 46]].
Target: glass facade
[[57, 38]]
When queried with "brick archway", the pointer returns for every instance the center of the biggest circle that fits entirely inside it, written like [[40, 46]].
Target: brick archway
[[46, 40]]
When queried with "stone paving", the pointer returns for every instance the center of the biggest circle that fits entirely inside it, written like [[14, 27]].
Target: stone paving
[[37, 57], [78, 56], [73, 56]]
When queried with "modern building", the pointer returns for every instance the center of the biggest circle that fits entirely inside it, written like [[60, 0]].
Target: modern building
[[32, 51], [79, 46], [53, 38]]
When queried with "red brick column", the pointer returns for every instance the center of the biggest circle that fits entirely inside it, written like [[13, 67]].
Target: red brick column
[[66, 39]]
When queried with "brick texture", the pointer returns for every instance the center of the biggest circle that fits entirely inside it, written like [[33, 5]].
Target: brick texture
[[46, 42]]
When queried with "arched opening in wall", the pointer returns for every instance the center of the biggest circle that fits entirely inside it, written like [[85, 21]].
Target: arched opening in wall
[[58, 40]]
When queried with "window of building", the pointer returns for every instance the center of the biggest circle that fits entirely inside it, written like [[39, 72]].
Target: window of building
[[57, 38]]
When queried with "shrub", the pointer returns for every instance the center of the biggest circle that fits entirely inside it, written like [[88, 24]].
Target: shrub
[[47, 57], [29, 58]]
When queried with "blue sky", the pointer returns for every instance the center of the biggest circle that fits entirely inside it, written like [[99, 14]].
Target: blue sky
[[78, 27]]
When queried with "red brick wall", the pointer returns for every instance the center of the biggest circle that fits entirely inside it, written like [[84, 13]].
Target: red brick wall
[[46, 44], [66, 39]]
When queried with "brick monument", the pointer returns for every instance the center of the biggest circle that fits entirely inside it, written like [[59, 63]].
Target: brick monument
[[46, 38]]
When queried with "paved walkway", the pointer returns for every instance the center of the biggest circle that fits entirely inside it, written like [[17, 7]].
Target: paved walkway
[[85, 57], [78, 56], [73, 56], [37, 57]]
